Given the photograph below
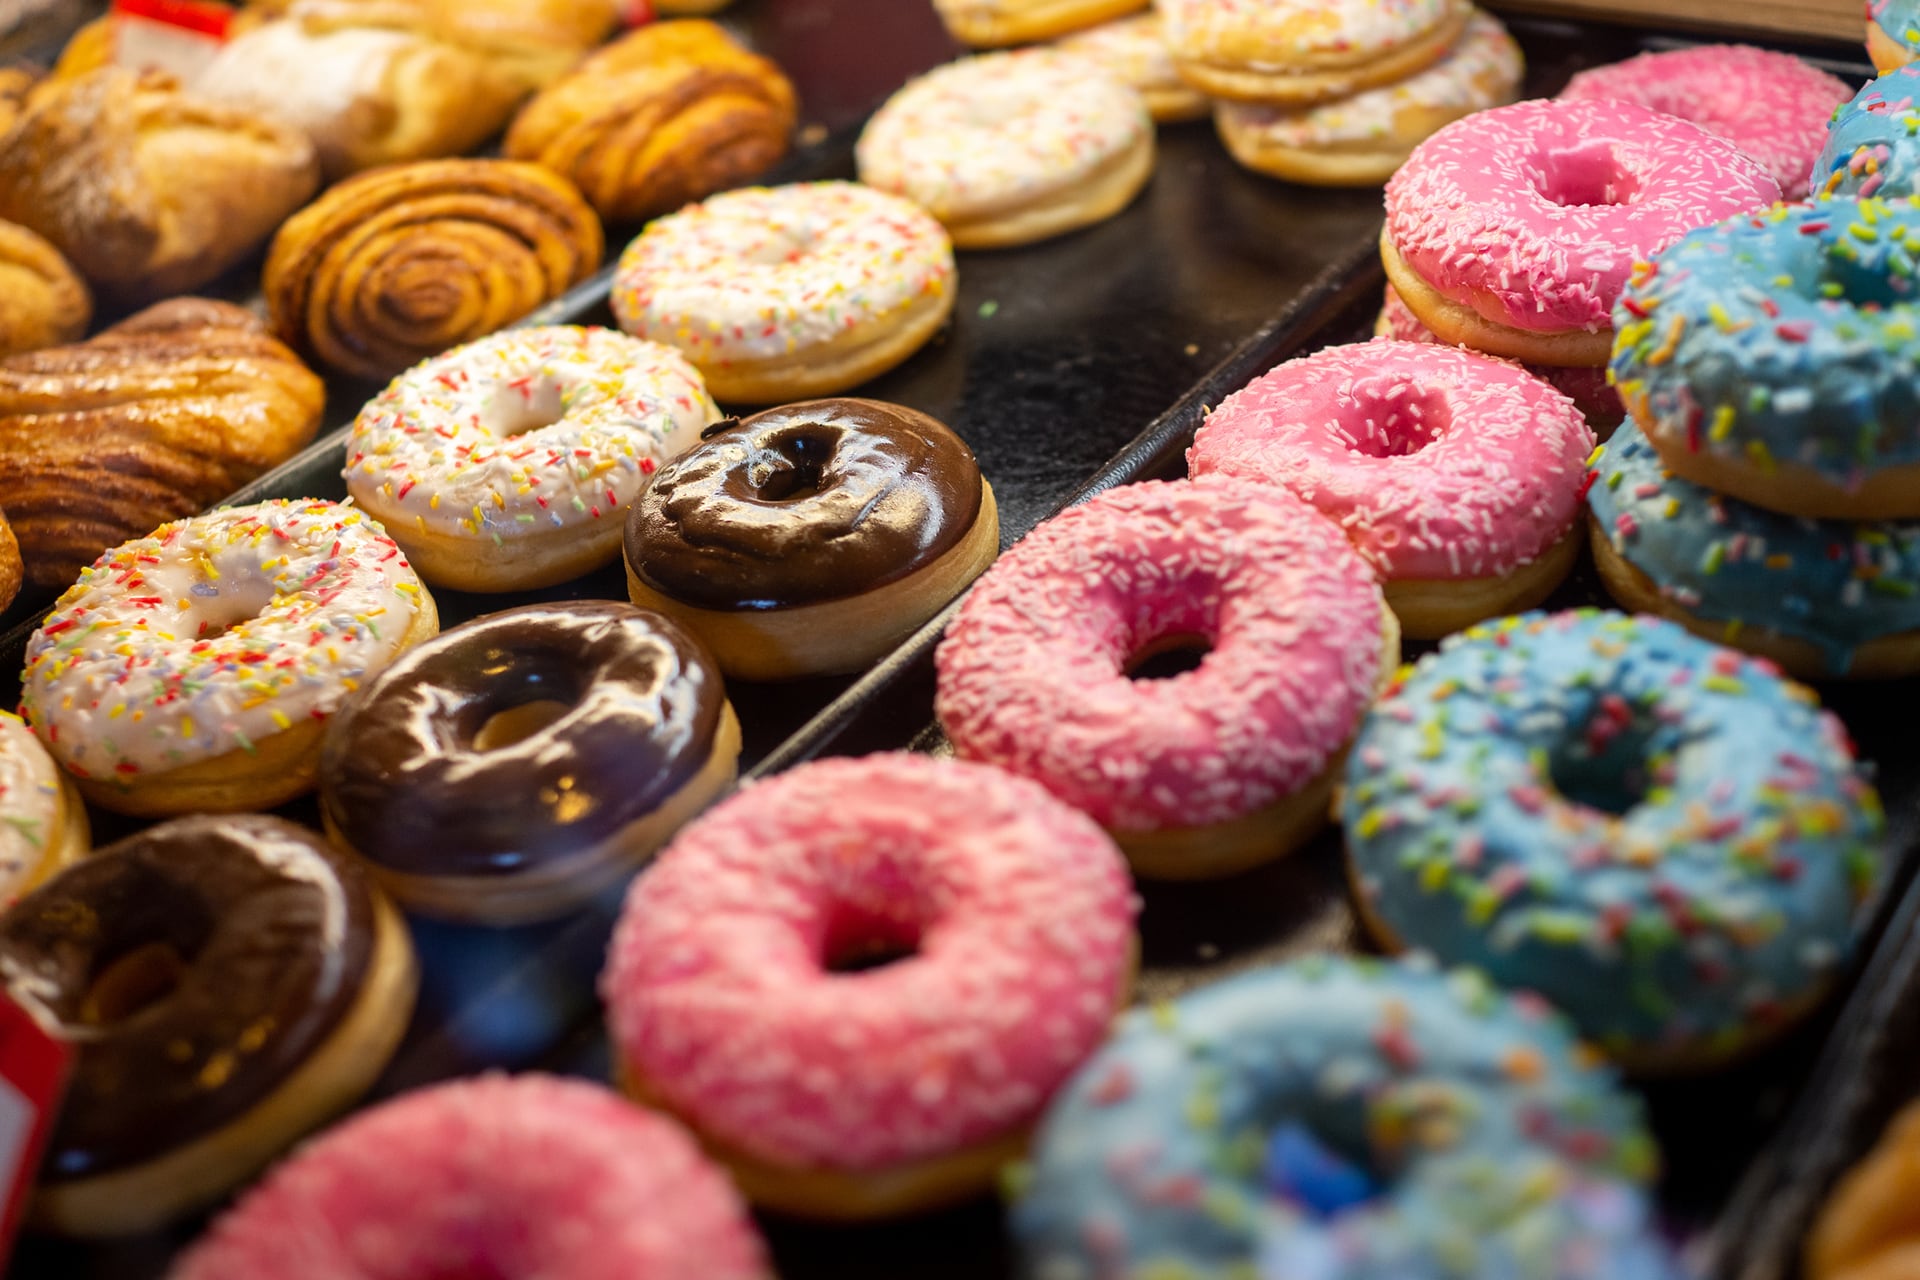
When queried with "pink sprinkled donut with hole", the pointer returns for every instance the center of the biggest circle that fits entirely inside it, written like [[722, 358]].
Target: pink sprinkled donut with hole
[[743, 993], [527, 1177], [1458, 476], [1212, 770]]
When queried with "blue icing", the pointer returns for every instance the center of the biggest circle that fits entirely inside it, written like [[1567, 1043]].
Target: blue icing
[[1785, 336], [1873, 144], [1497, 1148], [1659, 835], [1899, 19], [1832, 584]]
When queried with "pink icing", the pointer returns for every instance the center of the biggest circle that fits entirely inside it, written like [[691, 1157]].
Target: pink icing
[[1031, 674], [534, 1176], [1019, 913], [1440, 463], [1534, 214], [1771, 105]]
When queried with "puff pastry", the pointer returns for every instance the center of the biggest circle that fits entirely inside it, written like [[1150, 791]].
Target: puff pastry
[[10, 569], [43, 301]]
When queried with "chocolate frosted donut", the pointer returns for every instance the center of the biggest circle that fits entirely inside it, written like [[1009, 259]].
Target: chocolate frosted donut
[[524, 761], [801, 508], [228, 983]]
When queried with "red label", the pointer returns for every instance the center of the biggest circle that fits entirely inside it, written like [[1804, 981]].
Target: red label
[[33, 1074], [636, 13], [203, 16]]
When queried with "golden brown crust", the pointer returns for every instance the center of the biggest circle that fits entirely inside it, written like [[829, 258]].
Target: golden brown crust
[[669, 114], [16, 82], [153, 419], [1870, 1228], [43, 301], [10, 567], [401, 263], [533, 41], [148, 190]]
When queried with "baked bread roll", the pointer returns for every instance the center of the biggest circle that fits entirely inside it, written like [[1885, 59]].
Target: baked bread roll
[[148, 190], [153, 419], [10, 570], [669, 114], [399, 264], [43, 301], [15, 84]]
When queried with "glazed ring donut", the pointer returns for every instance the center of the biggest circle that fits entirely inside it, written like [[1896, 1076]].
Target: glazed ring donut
[[43, 821], [531, 1176], [1873, 145], [1457, 476], [1296, 54], [1342, 1118], [813, 538], [1771, 358], [1009, 148], [193, 670], [1662, 837], [513, 767], [779, 293], [1212, 770], [992, 23], [504, 465], [1513, 231], [1893, 33], [228, 985], [742, 995], [1134, 51]]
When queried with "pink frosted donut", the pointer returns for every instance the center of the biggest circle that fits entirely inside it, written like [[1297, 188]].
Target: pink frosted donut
[[1447, 468], [1771, 105], [1033, 674], [514, 1178], [841, 1094]]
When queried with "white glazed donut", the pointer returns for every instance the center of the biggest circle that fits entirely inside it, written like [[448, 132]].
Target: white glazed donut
[[1296, 53], [1134, 49], [508, 463], [1008, 148], [43, 823], [193, 670], [788, 293]]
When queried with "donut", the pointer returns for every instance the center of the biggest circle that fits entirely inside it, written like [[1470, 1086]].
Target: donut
[[1342, 1119], [1360, 141], [1009, 148], [1873, 144], [1134, 50], [496, 1176], [1772, 358], [1865, 1230], [1823, 599], [778, 293], [1772, 106], [504, 464], [227, 984], [1513, 231], [1214, 769], [1254, 51], [1893, 33], [813, 538], [1587, 387], [990, 24], [193, 670], [43, 821], [1661, 836], [1457, 476]]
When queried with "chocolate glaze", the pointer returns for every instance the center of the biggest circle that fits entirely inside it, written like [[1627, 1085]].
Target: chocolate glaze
[[275, 930], [808, 502], [402, 779]]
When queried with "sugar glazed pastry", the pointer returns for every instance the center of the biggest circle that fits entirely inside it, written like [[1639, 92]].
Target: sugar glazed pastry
[[149, 190], [150, 420], [671, 113], [1134, 49], [991, 23], [43, 301], [43, 821], [1258, 51]]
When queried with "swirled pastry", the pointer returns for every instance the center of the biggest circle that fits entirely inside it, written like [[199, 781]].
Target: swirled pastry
[[15, 83], [153, 419], [401, 263], [669, 114], [11, 573], [43, 302]]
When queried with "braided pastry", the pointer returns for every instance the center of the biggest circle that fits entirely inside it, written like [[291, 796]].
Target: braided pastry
[[153, 419], [10, 570], [42, 302], [398, 264], [669, 114]]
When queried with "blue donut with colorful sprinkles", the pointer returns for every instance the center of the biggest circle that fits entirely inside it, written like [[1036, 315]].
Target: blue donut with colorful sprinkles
[[1893, 32], [1336, 1119], [1661, 836], [1873, 143]]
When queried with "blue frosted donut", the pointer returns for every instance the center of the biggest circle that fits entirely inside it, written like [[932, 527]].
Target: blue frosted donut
[[1897, 38], [1659, 835], [1340, 1120], [1752, 578], [1873, 144], [1777, 357]]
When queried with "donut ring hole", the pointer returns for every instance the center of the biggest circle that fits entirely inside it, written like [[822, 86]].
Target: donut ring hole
[[532, 693], [160, 939], [1393, 418], [515, 725], [793, 466], [1167, 657], [859, 941], [517, 409], [1321, 1157], [1853, 283], [217, 611], [1606, 764], [1584, 175], [139, 979]]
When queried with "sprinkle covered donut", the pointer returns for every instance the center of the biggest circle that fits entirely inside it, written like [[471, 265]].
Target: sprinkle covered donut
[[1342, 1120], [1257, 51], [1660, 836], [1893, 32], [1873, 145], [992, 23], [780, 293], [1134, 49], [43, 823], [506, 464], [194, 669], [1458, 476]]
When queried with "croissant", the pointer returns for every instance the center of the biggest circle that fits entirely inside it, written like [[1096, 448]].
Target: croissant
[[10, 573], [42, 301], [149, 191], [153, 419], [15, 84], [401, 263], [669, 114]]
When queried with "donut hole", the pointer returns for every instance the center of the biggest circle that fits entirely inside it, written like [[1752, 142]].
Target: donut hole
[[136, 980], [1864, 286], [1322, 1162], [516, 410], [1584, 175], [791, 467], [1394, 419], [1167, 657], [525, 692], [219, 607], [514, 725], [860, 942], [1606, 762]]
